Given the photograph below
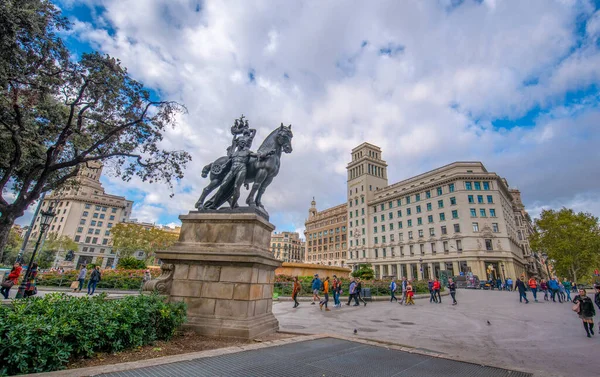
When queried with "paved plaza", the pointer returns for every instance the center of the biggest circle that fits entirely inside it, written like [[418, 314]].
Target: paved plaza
[[544, 338]]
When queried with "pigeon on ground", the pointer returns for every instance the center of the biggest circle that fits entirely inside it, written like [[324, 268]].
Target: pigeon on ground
[[489, 324], [355, 331]]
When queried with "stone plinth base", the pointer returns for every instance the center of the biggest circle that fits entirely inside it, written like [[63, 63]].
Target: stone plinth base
[[223, 270]]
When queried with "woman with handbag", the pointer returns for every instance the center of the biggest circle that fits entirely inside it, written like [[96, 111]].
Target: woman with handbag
[[30, 288], [585, 308], [13, 279]]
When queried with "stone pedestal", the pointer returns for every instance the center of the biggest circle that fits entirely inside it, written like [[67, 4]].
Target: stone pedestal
[[223, 270]]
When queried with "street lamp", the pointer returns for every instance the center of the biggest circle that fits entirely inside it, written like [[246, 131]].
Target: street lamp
[[503, 274], [47, 217], [421, 265]]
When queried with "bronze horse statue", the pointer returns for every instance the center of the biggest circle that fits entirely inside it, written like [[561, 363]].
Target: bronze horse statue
[[260, 172]]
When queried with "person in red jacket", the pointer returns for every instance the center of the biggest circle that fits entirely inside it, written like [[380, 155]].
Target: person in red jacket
[[13, 279], [436, 290], [533, 286]]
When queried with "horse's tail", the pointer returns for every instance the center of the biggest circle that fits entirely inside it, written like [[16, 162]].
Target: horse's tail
[[206, 170]]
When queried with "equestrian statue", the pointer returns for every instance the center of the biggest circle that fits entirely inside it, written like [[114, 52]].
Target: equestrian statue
[[241, 166]]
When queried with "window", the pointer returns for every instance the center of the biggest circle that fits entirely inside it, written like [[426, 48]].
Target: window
[[110, 225], [88, 239], [492, 212], [356, 213], [430, 219], [79, 229], [100, 223], [382, 206], [439, 191], [412, 251], [480, 199], [445, 243], [475, 227], [410, 235], [417, 197], [473, 212], [362, 221], [428, 194], [471, 199], [376, 240], [419, 221], [399, 213], [398, 202], [101, 215], [422, 249], [420, 232], [82, 222], [490, 199], [383, 228], [488, 245], [375, 219], [453, 201], [444, 230], [451, 187], [399, 224], [477, 185], [104, 209], [363, 232], [495, 227], [482, 212], [431, 231], [390, 205], [391, 215], [87, 206], [442, 216], [97, 208], [85, 248], [459, 245], [91, 231], [97, 231], [401, 236], [95, 215], [440, 204], [429, 206], [408, 212], [486, 186], [455, 214], [93, 223], [456, 228], [362, 212], [362, 199], [77, 238], [407, 199], [391, 235], [85, 213], [95, 240], [468, 186], [433, 251], [382, 239], [409, 223], [391, 226], [419, 209]]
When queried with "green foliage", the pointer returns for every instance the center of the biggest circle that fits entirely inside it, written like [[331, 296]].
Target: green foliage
[[365, 271], [571, 239], [111, 279], [41, 334], [130, 263], [11, 249], [129, 238], [58, 114]]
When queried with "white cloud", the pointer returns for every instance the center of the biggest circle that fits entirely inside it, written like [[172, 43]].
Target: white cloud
[[318, 65]]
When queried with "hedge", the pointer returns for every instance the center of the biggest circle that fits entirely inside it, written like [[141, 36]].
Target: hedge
[[42, 334], [113, 279]]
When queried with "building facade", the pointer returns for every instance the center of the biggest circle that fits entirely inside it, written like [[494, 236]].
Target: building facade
[[86, 213], [458, 218], [287, 246], [326, 236]]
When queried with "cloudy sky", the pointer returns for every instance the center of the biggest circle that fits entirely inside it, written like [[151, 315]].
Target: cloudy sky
[[514, 84]]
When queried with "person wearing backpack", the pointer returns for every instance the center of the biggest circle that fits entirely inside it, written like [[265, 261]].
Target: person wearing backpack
[[452, 289], [316, 286], [352, 292], [393, 287], [95, 277], [325, 295], [533, 286], [295, 291], [567, 285], [336, 289]]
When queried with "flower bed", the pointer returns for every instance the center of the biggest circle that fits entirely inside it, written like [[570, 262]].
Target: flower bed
[[42, 334], [113, 279]]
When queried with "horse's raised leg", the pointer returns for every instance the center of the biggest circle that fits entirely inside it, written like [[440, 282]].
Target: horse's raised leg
[[207, 190], [261, 191], [261, 174]]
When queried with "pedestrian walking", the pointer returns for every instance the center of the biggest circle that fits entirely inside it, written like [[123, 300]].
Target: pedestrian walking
[[597, 296], [522, 289], [567, 285], [404, 283], [12, 279], [436, 291], [553, 287], [561, 291], [409, 294], [95, 277], [393, 287], [585, 308], [499, 284], [431, 294], [358, 296], [315, 286], [544, 288], [533, 286], [352, 292], [81, 278], [509, 284], [325, 295], [30, 288], [296, 287], [452, 289], [336, 289]]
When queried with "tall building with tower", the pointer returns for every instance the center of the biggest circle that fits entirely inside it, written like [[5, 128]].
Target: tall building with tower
[[86, 213], [326, 236]]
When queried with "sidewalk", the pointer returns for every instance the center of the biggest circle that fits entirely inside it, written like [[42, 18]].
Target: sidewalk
[[344, 299]]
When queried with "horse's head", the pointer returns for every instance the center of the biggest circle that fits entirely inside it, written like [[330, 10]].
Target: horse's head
[[284, 138]]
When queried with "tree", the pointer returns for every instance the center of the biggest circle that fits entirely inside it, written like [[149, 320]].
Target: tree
[[12, 248], [571, 239], [57, 115], [129, 238], [52, 245], [365, 271], [130, 263]]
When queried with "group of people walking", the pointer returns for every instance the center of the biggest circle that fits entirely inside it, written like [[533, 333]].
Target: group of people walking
[[13, 279], [95, 277], [553, 289]]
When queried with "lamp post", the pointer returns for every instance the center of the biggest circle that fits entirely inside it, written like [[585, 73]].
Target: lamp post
[[503, 274], [47, 217], [421, 266]]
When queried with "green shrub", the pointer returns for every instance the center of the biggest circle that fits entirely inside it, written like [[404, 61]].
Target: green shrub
[[131, 263], [42, 334], [111, 279]]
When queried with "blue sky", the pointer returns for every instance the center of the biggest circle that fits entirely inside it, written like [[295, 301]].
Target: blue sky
[[514, 84]]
